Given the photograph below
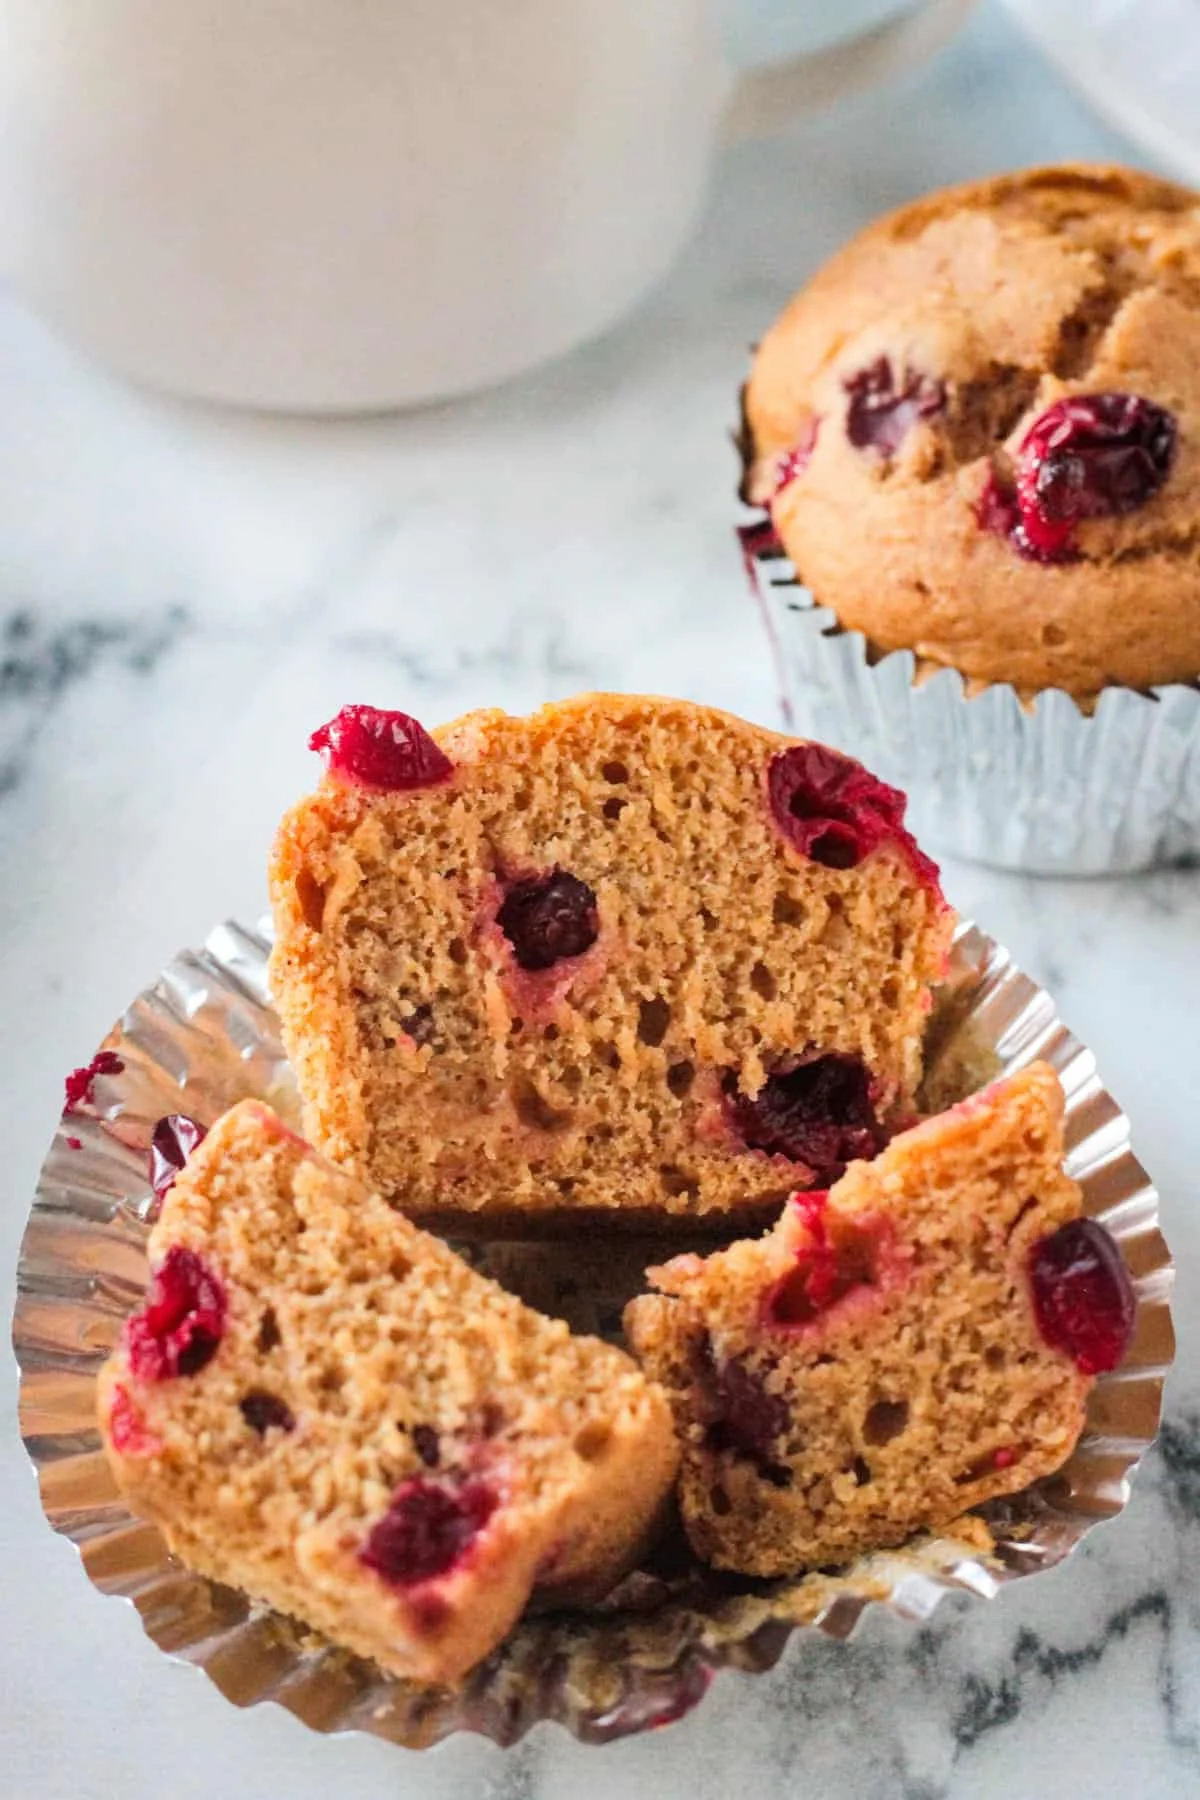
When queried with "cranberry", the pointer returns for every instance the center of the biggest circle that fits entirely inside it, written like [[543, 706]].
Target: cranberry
[[263, 1411], [748, 1419], [74, 1143], [1092, 456], [819, 1113], [78, 1085], [127, 1427], [790, 464], [429, 1526], [835, 812], [376, 749], [880, 414], [549, 917], [1004, 1457], [825, 1270], [1082, 1295], [179, 1328], [171, 1143]]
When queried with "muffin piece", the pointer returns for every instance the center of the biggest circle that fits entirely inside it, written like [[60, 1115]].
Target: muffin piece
[[324, 1407], [978, 430], [628, 955], [919, 1340]]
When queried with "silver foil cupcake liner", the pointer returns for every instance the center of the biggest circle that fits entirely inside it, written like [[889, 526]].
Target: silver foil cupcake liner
[[1039, 786], [204, 1036]]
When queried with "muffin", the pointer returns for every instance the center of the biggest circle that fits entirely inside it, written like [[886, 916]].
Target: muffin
[[629, 958], [918, 1341], [976, 437], [324, 1407]]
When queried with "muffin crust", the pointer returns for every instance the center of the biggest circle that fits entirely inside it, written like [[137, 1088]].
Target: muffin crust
[[982, 306]]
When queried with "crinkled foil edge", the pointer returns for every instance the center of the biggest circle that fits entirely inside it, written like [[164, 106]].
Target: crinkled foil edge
[[203, 1036], [1039, 786]]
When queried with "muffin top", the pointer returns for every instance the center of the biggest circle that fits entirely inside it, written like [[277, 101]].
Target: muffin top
[[978, 430]]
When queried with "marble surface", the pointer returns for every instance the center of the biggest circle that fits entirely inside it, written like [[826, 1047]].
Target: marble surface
[[183, 596]]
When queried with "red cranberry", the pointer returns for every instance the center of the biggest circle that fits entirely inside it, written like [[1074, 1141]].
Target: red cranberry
[[549, 917], [835, 812], [825, 1271], [179, 1328], [1092, 456], [1082, 1295], [74, 1143], [792, 463], [171, 1143], [819, 1113], [749, 1419], [263, 1412], [127, 1427], [78, 1085], [376, 749], [881, 413], [429, 1526]]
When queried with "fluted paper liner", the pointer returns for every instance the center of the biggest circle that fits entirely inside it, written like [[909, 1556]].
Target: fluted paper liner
[[1034, 784], [204, 1036]]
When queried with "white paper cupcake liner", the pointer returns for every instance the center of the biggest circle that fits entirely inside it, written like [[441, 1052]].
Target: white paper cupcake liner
[[1045, 788], [204, 1036]]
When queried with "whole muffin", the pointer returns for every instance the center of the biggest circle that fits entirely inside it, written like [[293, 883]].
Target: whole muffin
[[977, 431]]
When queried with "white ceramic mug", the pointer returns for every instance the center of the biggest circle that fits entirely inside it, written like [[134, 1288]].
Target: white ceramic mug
[[345, 205]]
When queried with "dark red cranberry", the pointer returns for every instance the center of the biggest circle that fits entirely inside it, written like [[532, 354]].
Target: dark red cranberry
[[429, 1526], [74, 1143], [427, 1445], [1082, 1295], [1089, 457], [78, 1085], [127, 1427], [792, 463], [881, 411], [376, 749], [265, 1412], [179, 1328], [549, 917], [171, 1143], [749, 1419], [835, 812], [819, 1113], [1092, 456]]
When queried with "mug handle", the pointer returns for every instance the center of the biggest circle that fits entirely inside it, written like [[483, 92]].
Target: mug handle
[[766, 100]]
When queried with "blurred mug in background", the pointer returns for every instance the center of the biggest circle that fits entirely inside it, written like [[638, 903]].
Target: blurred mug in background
[[309, 205]]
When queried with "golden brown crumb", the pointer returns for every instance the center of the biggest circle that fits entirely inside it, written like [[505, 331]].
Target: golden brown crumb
[[827, 1415], [362, 1392], [455, 1080]]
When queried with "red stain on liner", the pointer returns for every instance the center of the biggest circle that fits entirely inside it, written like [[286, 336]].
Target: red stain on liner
[[79, 1085]]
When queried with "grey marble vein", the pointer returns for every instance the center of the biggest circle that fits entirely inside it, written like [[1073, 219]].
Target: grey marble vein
[[40, 662]]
